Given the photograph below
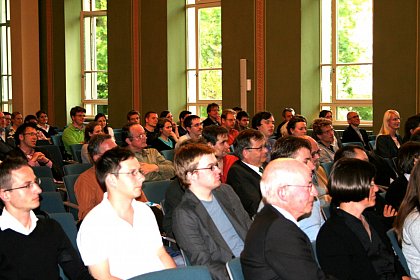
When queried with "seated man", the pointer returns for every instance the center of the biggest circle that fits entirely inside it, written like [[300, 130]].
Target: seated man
[[151, 120], [194, 129], [210, 223], [264, 122], [152, 164], [275, 246], [119, 237], [228, 122], [324, 131], [213, 117], [75, 132], [133, 116], [5, 145], [353, 133], [31, 247]]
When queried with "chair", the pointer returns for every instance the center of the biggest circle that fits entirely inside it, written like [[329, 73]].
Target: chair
[[372, 144], [397, 249], [55, 153], [327, 167], [68, 224], [51, 202], [69, 181], [42, 171], [47, 184], [76, 152], [182, 273], [168, 154], [76, 168], [234, 269], [155, 190], [42, 142], [353, 143], [118, 137]]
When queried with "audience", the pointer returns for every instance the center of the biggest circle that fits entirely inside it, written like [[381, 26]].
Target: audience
[[194, 129], [213, 117], [152, 164], [181, 128], [92, 128], [119, 237], [167, 138], [151, 120], [210, 223], [228, 122], [75, 132], [353, 133], [133, 116], [324, 131], [31, 247], [103, 122], [242, 121], [388, 140]]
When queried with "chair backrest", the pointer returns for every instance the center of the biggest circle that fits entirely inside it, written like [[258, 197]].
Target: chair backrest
[[397, 249], [68, 224], [168, 154], [76, 152], [51, 202], [372, 144], [327, 167], [118, 137], [42, 142], [234, 269], [181, 273], [76, 168], [353, 143], [47, 184], [42, 171], [57, 140], [155, 190], [55, 153], [69, 181]]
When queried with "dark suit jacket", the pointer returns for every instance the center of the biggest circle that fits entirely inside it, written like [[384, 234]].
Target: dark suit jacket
[[396, 192], [5, 147], [350, 135], [341, 253], [246, 183], [276, 248], [385, 146], [198, 236], [208, 122], [173, 197]]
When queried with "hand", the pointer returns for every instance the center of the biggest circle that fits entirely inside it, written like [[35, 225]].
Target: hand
[[147, 168], [40, 157], [219, 119], [389, 211], [406, 278]]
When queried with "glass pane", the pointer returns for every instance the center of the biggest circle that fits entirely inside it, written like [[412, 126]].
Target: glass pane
[[326, 85], [210, 85], [192, 109], [191, 86], [102, 86], [354, 82], [101, 43], [326, 32], [190, 2], [3, 59], [3, 12], [210, 37], [96, 85], [203, 112], [95, 38], [102, 109], [90, 111], [365, 113], [191, 61], [354, 31], [88, 43], [100, 4]]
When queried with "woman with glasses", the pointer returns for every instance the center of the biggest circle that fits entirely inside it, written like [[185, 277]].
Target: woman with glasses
[[167, 137], [388, 140], [352, 244]]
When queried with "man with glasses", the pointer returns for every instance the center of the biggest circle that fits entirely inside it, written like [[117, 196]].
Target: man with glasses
[[5, 145], [245, 174], [324, 131], [194, 129], [264, 122], [275, 246], [153, 165], [228, 122], [75, 132], [210, 223], [119, 237], [353, 133], [213, 117], [31, 247]]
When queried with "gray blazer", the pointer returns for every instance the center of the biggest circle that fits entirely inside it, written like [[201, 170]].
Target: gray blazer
[[198, 236]]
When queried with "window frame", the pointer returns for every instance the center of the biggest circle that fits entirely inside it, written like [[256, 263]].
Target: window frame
[[6, 100]]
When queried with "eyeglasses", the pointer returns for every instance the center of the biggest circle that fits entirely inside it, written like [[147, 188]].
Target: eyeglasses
[[140, 136], [258, 148], [133, 173], [316, 153], [80, 115], [36, 182], [196, 125], [30, 134], [309, 186], [354, 117], [212, 167]]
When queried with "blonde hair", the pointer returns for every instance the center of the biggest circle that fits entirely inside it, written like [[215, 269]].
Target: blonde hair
[[387, 116]]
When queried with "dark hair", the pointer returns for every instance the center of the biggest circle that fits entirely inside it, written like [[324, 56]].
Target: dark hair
[[184, 160], [412, 123], [407, 153], [243, 140], [211, 132], [291, 110], [125, 133], [350, 180], [163, 114], [14, 114], [6, 167], [286, 147], [109, 163], [38, 114], [318, 124], [7, 114], [226, 112], [241, 114], [188, 120], [29, 118], [89, 128], [211, 106], [95, 143], [348, 151], [258, 117], [76, 110], [161, 124], [237, 109], [131, 113], [410, 202], [323, 113], [293, 121], [415, 136], [146, 116], [101, 115], [183, 114], [21, 130]]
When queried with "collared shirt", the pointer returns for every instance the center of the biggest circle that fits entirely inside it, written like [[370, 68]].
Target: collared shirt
[[253, 167], [152, 156], [287, 215], [8, 221], [358, 133], [73, 135]]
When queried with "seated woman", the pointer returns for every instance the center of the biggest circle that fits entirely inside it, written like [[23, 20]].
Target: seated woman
[[47, 129], [297, 126], [167, 138], [408, 155], [103, 122], [352, 245], [407, 224], [168, 115], [388, 140], [91, 129]]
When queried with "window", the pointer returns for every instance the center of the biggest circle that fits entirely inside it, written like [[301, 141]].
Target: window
[[204, 55], [5, 59], [346, 58], [94, 44]]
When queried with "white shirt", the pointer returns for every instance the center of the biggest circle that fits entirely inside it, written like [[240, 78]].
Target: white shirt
[[286, 214], [130, 249], [9, 221], [253, 167]]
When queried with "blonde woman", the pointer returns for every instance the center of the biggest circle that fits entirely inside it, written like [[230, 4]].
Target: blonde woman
[[389, 141]]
